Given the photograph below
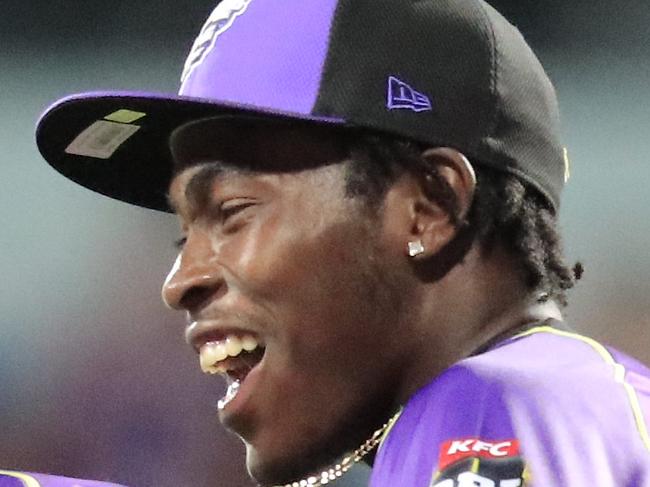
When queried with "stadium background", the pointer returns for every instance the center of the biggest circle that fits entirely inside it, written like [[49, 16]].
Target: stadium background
[[95, 380]]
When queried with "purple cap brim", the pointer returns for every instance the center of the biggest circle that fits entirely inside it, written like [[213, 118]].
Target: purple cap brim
[[140, 168]]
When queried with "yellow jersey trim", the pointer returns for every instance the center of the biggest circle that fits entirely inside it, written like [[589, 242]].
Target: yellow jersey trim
[[618, 369], [27, 480]]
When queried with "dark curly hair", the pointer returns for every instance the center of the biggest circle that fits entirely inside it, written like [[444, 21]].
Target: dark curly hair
[[505, 210]]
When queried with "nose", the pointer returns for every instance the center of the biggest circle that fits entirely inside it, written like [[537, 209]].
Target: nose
[[193, 279]]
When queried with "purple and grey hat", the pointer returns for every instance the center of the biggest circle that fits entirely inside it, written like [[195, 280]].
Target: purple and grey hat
[[440, 72]]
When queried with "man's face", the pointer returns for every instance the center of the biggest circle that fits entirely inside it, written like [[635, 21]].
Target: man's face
[[286, 258]]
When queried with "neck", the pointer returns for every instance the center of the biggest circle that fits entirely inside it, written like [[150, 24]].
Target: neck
[[485, 301]]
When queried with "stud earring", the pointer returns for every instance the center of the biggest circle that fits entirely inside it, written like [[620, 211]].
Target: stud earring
[[415, 248]]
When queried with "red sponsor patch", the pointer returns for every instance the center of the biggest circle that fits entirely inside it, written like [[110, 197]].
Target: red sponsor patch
[[455, 450]]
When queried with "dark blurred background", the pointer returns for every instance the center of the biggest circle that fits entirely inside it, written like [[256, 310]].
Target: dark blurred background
[[95, 380]]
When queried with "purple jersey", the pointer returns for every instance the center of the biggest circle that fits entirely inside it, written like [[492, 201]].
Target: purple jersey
[[23, 479], [547, 408]]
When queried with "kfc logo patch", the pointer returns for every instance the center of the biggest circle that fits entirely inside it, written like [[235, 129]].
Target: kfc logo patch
[[455, 450], [473, 462]]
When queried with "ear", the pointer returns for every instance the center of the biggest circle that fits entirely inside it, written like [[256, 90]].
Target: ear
[[459, 174], [429, 221]]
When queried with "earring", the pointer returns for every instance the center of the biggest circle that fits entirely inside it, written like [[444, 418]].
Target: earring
[[415, 248]]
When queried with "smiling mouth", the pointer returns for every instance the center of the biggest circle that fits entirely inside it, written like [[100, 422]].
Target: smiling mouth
[[233, 357]]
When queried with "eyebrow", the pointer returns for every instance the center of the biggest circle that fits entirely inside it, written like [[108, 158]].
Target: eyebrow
[[198, 189]]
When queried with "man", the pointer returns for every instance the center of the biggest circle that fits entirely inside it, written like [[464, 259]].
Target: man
[[368, 195]]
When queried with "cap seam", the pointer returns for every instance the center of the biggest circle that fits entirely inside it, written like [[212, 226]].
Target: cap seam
[[492, 122], [326, 62]]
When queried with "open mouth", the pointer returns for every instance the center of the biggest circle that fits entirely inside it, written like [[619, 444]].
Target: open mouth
[[233, 357]]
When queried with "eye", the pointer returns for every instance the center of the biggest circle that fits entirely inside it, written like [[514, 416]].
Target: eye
[[230, 208], [224, 211]]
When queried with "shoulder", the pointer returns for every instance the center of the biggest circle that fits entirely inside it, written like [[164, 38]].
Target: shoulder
[[24, 479], [561, 401], [561, 374]]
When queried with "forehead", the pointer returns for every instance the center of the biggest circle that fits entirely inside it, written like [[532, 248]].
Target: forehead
[[224, 149]]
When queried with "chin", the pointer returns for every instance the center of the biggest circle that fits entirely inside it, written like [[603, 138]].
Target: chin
[[276, 469]]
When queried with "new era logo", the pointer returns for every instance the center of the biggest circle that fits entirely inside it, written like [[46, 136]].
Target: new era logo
[[402, 96]]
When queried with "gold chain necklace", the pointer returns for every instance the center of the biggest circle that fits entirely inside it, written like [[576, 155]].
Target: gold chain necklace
[[335, 472]]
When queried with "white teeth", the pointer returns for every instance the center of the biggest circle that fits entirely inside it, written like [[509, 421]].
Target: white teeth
[[214, 352], [210, 355], [233, 346], [249, 343]]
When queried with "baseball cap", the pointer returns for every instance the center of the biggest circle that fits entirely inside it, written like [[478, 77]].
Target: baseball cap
[[439, 72]]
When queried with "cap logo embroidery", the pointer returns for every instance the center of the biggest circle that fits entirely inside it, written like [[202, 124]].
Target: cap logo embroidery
[[220, 20], [403, 96]]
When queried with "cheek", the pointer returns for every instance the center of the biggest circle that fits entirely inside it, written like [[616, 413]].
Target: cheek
[[256, 258], [335, 306], [316, 286]]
